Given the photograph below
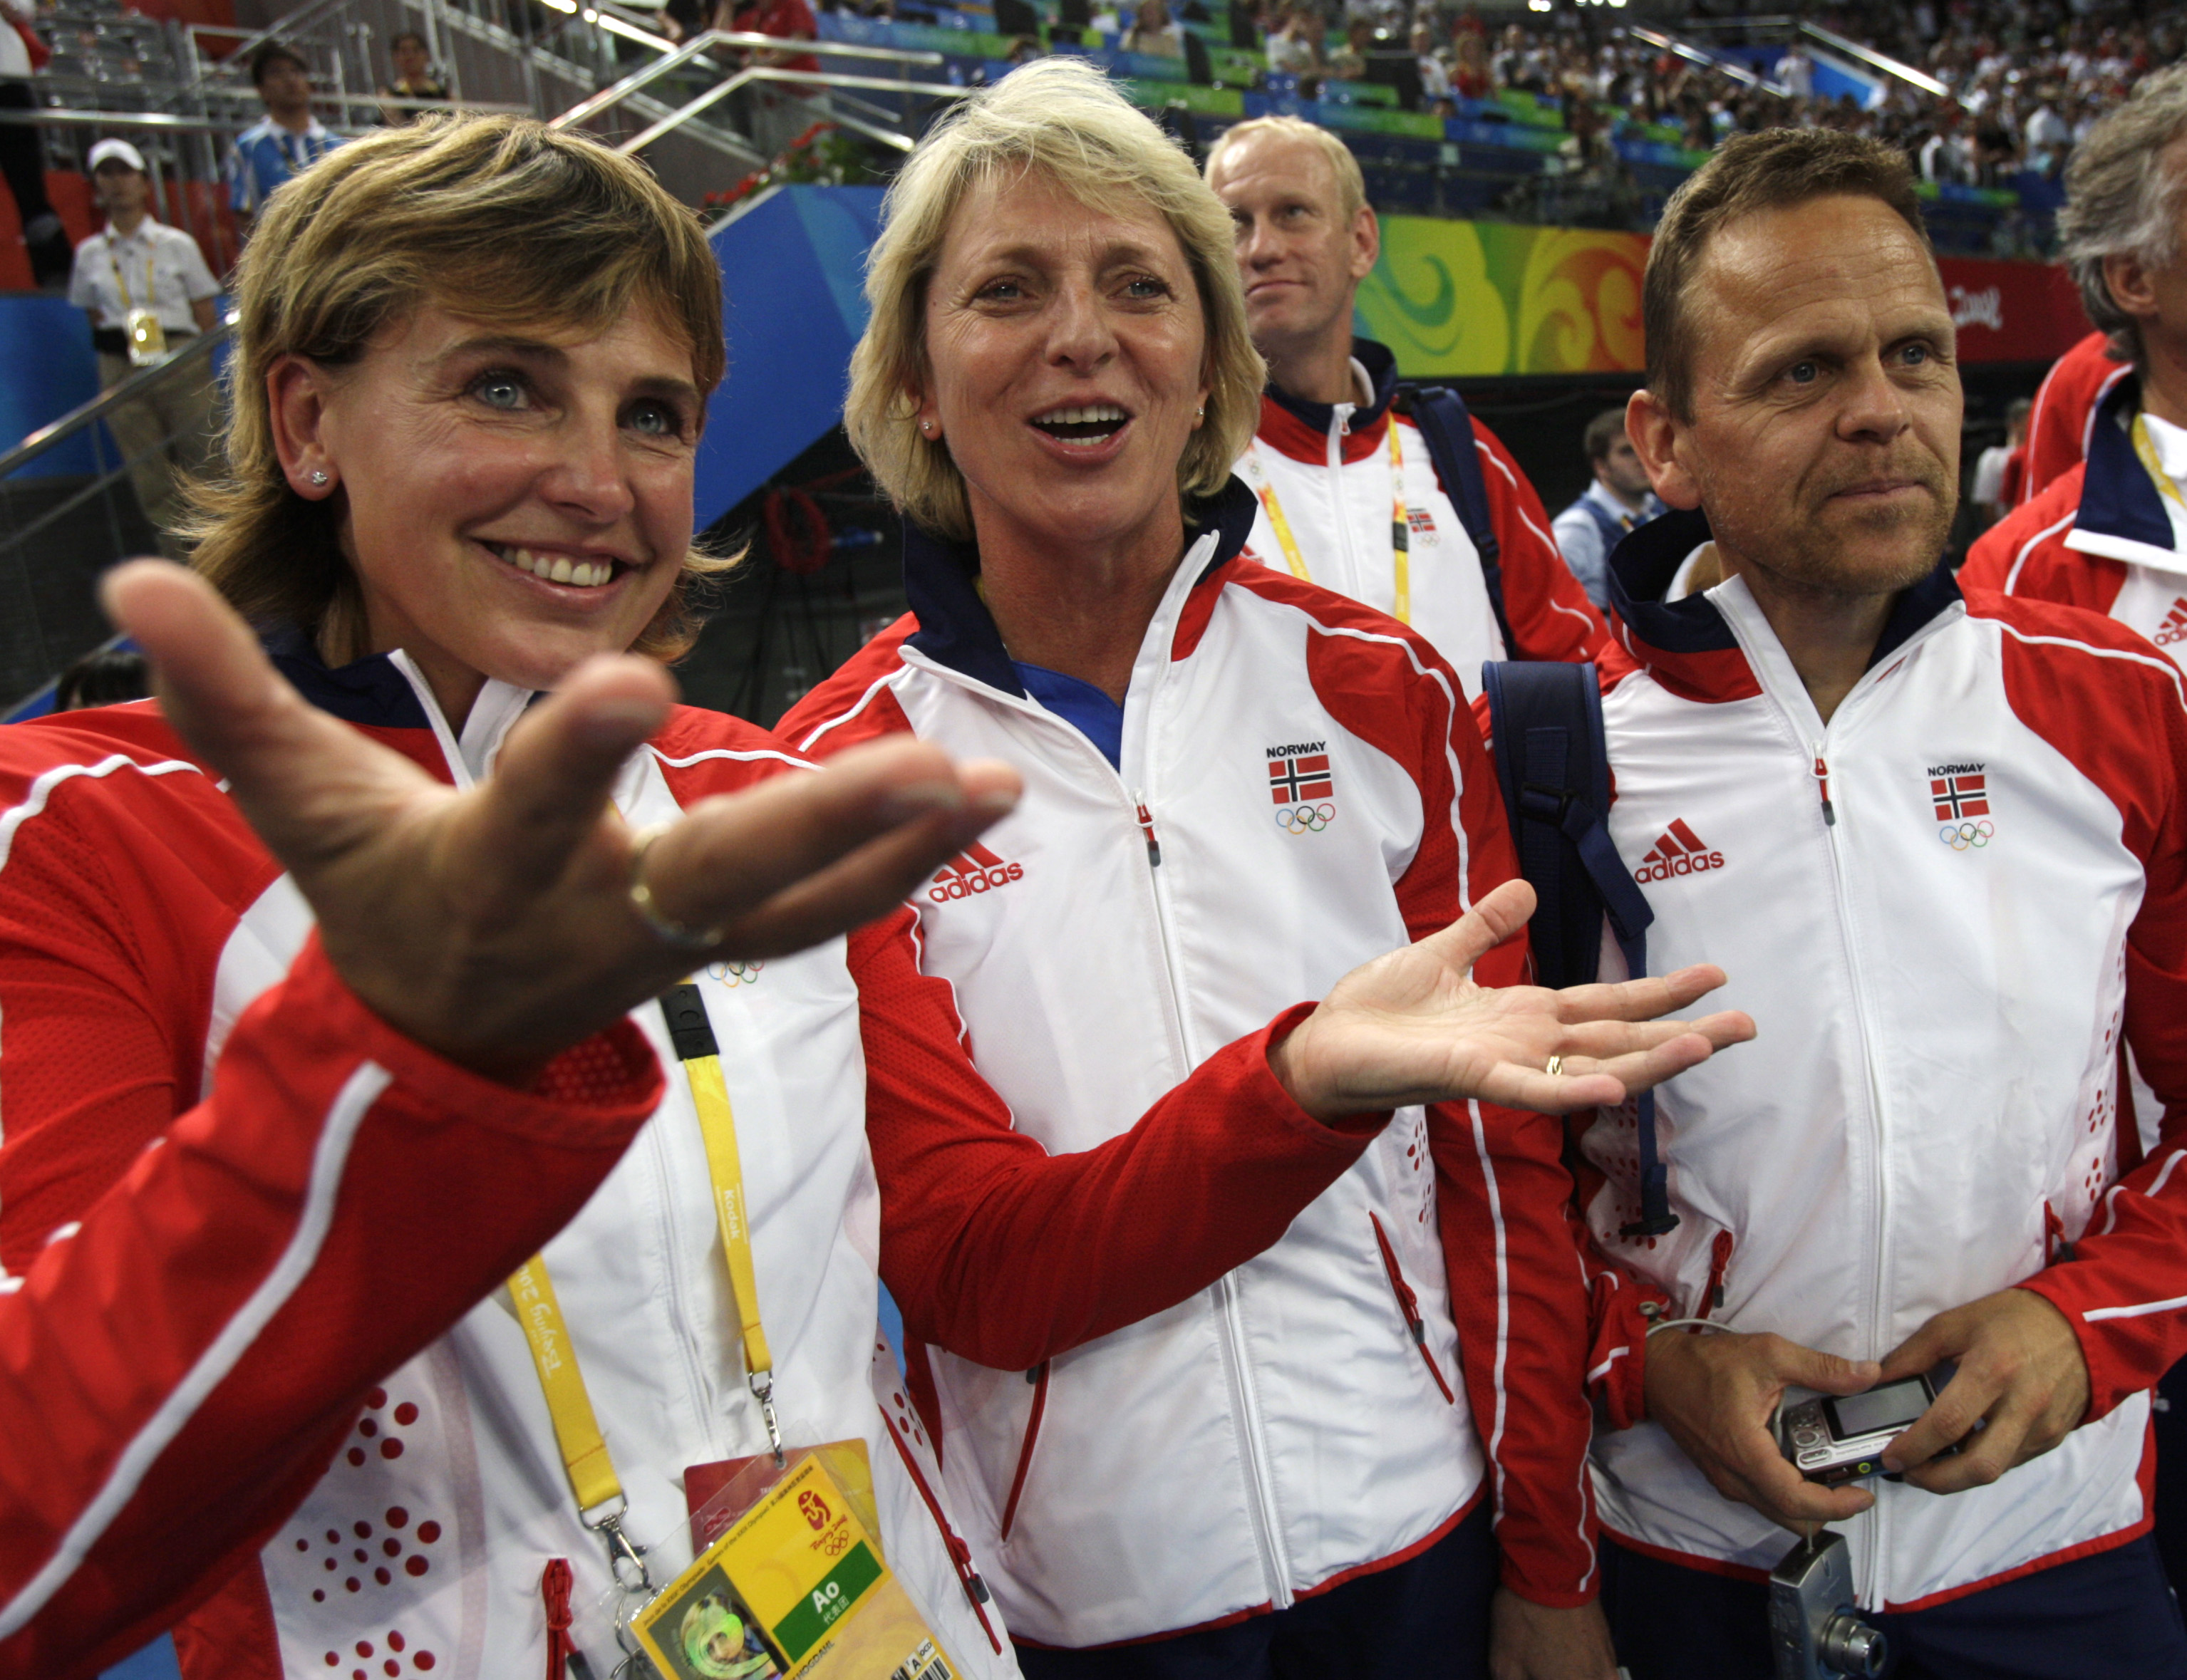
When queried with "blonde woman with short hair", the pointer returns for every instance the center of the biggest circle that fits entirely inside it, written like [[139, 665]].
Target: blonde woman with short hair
[[1239, 787]]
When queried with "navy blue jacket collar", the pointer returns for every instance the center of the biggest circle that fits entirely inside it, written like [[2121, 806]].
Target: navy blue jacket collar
[[2118, 497], [1380, 362], [940, 579], [369, 692], [1643, 565]]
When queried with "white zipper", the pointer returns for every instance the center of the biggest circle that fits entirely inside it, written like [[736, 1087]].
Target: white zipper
[[680, 1299], [1237, 1368], [1765, 668], [1340, 427], [1880, 1118]]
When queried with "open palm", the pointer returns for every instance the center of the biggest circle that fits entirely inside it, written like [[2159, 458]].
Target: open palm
[[1412, 1027]]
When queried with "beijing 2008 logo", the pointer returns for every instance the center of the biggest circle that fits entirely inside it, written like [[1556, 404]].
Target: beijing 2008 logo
[[735, 973], [1305, 819]]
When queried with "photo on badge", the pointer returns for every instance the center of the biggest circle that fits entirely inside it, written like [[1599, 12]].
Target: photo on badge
[[709, 1634]]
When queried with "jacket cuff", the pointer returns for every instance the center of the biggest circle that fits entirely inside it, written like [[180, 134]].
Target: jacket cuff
[[604, 1086], [1268, 1090], [2114, 1375], [1513, 1576], [1625, 1309]]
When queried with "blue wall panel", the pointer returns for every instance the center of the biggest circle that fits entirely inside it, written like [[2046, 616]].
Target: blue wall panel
[[46, 369], [792, 274]]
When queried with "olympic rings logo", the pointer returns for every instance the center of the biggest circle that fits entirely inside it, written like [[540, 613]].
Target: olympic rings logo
[[1305, 819], [1961, 836], [735, 973]]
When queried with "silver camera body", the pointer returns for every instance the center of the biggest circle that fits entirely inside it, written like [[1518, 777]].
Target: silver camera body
[[1834, 1439], [1815, 1632]]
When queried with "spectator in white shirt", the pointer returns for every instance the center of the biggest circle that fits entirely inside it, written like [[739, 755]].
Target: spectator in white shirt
[[148, 292]]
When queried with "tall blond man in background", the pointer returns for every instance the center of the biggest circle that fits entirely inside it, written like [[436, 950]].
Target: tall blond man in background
[[1406, 503]]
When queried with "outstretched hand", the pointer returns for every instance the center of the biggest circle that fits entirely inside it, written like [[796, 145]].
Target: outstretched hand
[[495, 926], [1412, 1026]]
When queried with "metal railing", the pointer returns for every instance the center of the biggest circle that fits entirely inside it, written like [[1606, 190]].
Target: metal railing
[[1708, 60], [1875, 61], [704, 45], [55, 433]]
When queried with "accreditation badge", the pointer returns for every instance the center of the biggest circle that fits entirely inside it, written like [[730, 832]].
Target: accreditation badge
[[148, 338], [793, 1585]]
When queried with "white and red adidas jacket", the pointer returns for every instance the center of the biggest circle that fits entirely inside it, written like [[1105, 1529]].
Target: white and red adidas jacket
[[2103, 535], [1949, 912], [1302, 788], [142, 918], [176, 1370], [2065, 411], [1329, 469]]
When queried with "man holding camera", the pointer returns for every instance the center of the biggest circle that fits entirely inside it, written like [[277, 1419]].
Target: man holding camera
[[1942, 844]]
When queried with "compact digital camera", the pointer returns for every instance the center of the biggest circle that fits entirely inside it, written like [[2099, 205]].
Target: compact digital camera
[[1815, 1632], [1837, 1438]]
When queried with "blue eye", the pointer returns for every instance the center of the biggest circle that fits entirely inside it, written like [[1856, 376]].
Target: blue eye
[[499, 390], [1915, 354], [656, 419], [1802, 373], [1147, 287]]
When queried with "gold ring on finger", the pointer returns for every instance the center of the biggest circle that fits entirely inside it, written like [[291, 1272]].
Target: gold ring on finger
[[665, 928], [1555, 1067]]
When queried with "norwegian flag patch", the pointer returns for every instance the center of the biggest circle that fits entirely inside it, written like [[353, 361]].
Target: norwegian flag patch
[[1959, 790], [1302, 786], [1960, 795], [1304, 778]]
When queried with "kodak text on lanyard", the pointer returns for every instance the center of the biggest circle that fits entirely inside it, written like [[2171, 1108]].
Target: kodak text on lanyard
[[1400, 532], [599, 1492]]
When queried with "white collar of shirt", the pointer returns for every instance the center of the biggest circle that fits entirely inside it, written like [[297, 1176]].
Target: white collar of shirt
[[148, 231]]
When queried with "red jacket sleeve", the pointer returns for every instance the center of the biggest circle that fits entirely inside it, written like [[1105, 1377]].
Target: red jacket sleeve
[[1550, 615], [2025, 554], [1503, 1201], [2058, 424], [1007, 1256], [2125, 1287], [176, 1373]]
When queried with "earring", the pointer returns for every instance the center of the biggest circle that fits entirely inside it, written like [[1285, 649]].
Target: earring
[[926, 426], [1200, 413], [318, 477]]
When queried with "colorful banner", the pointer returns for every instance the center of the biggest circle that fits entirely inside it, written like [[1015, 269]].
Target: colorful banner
[[1483, 298]]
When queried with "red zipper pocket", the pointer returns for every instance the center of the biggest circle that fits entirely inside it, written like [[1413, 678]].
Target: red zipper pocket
[[1408, 1304], [1719, 1263], [2055, 1248], [1038, 1378], [976, 1591]]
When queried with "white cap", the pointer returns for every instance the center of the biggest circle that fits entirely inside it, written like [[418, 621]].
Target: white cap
[[110, 151]]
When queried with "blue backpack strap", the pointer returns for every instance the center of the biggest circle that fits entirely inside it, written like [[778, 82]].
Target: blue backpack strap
[[1440, 413], [1553, 764]]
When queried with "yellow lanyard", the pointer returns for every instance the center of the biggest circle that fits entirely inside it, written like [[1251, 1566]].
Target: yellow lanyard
[[122, 285], [1401, 535], [601, 1501], [2144, 448]]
